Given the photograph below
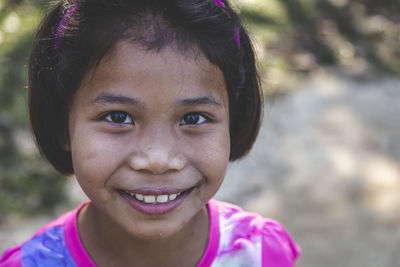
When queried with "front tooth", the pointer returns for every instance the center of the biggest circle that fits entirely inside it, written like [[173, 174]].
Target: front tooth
[[172, 196], [132, 194], [139, 197], [162, 198], [149, 199]]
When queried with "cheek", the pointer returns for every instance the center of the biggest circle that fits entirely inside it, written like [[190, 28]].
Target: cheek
[[85, 153], [93, 159], [211, 156]]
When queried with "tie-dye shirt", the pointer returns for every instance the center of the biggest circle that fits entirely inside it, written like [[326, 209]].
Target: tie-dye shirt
[[237, 238]]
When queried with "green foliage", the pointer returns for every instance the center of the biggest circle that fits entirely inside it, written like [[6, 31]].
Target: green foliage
[[30, 190], [27, 183], [295, 37]]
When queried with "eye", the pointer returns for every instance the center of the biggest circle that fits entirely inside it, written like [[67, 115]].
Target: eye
[[192, 119], [119, 117]]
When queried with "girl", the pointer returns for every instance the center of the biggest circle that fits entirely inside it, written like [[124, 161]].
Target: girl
[[145, 102]]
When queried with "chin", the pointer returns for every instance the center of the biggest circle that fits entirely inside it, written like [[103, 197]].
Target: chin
[[155, 231]]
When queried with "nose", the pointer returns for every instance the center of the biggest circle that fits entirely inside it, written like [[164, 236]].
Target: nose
[[157, 154]]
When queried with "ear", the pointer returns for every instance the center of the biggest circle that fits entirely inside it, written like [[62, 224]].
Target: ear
[[66, 146], [65, 143]]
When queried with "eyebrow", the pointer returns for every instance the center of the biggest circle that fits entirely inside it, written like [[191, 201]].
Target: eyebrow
[[109, 98], [203, 100]]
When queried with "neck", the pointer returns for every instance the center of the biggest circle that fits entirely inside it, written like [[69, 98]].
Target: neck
[[108, 244]]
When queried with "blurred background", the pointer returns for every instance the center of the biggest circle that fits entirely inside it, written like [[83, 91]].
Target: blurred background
[[327, 161]]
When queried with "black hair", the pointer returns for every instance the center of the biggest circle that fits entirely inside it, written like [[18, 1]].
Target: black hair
[[76, 35]]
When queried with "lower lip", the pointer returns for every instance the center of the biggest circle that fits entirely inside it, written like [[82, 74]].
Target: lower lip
[[155, 209]]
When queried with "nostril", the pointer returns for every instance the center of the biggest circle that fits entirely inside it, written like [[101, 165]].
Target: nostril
[[178, 162], [138, 163], [156, 162]]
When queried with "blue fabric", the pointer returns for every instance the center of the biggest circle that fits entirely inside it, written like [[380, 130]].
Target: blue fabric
[[47, 249]]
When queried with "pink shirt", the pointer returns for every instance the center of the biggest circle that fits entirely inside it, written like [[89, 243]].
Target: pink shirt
[[236, 238]]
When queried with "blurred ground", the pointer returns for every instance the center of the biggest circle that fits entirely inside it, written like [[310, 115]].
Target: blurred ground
[[326, 165]]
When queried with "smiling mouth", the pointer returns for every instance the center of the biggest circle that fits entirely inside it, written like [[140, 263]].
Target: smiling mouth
[[155, 199], [153, 202]]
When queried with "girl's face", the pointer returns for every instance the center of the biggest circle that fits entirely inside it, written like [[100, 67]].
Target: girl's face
[[149, 137]]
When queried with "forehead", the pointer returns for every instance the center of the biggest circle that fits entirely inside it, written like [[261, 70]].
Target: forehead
[[129, 65]]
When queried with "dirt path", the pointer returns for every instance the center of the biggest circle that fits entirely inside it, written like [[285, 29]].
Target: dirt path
[[326, 165]]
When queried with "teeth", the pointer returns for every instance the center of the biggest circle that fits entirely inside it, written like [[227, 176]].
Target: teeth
[[162, 198], [149, 199], [153, 198]]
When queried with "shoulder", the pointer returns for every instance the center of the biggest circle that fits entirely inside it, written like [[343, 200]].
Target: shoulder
[[43, 245], [47, 247], [11, 257], [249, 235]]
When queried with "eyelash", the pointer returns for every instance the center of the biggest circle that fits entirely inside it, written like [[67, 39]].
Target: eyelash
[[109, 117], [200, 117], [196, 118]]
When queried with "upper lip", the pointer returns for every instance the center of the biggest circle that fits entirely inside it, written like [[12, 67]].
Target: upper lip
[[156, 191]]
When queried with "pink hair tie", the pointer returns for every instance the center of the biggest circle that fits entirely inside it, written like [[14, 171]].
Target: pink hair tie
[[63, 22], [237, 35], [219, 2]]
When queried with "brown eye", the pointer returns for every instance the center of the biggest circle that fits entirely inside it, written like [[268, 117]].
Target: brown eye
[[192, 119], [119, 117]]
